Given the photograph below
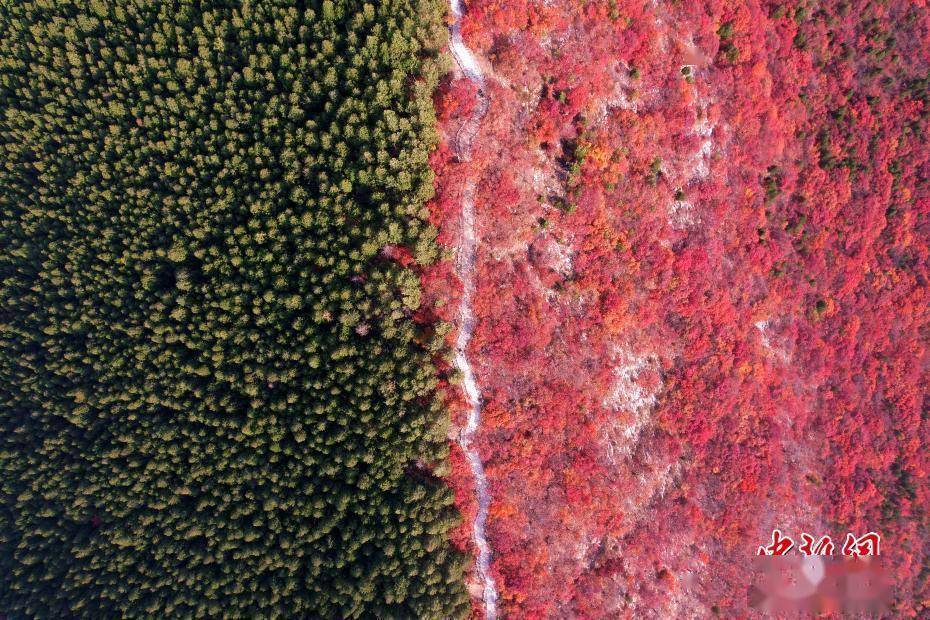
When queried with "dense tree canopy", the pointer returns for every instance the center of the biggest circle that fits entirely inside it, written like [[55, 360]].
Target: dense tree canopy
[[214, 397], [712, 220]]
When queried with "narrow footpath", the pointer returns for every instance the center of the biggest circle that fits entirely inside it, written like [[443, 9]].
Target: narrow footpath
[[465, 266]]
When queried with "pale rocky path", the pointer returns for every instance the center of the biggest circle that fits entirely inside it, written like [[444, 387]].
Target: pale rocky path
[[465, 265]]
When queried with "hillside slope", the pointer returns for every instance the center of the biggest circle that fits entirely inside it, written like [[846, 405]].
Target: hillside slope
[[702, 293]]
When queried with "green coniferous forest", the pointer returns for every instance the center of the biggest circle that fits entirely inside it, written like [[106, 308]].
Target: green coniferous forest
[[214, 400]]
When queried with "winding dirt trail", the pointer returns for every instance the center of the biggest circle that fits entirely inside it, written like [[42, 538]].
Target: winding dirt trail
[[465, 265]]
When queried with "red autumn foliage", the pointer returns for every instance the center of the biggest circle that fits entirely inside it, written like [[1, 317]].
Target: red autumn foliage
[[702, 293]]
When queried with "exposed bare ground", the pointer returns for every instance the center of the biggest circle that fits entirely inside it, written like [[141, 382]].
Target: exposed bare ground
[[465, 264]]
